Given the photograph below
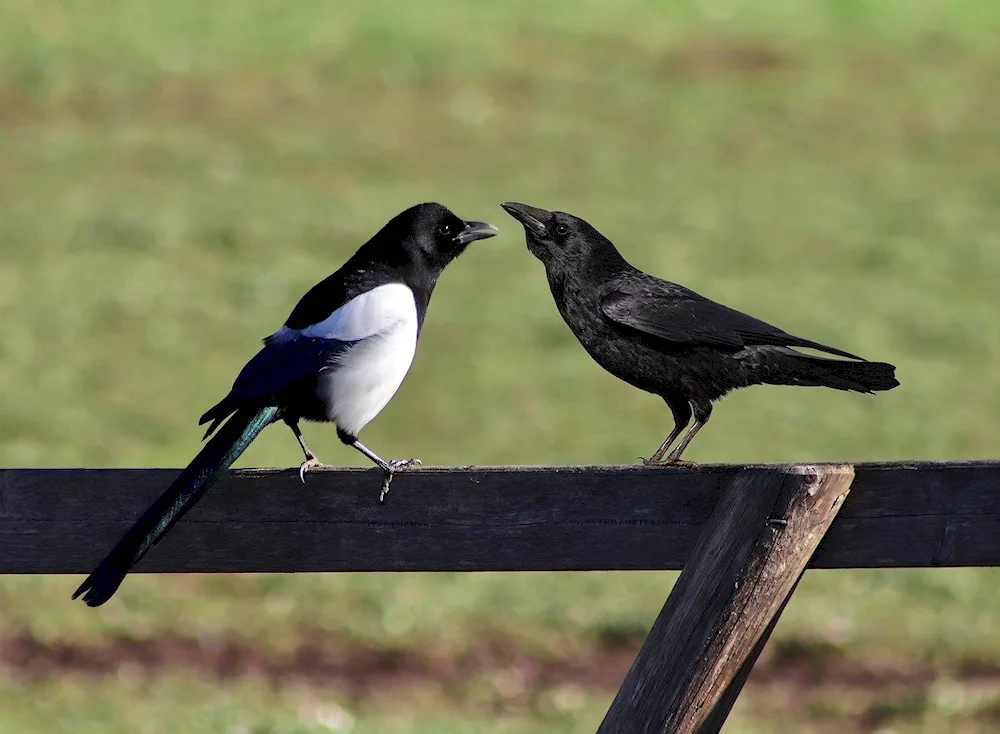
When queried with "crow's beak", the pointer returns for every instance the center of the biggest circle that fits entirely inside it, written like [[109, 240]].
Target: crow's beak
[[531, 217], [476, 231]]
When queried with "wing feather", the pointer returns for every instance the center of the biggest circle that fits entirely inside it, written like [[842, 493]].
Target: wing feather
[[295, 353], [676, 314]]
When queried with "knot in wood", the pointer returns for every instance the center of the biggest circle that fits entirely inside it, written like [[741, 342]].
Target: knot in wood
[[810, 480]]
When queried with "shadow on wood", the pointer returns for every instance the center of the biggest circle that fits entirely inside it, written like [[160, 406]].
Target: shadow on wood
[[743, 569]]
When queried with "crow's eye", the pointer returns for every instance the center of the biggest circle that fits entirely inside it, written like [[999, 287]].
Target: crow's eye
[[444, 230], [562, 229]]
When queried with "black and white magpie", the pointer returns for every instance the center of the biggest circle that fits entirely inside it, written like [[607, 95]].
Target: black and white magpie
[[668, 340], [339, 358]]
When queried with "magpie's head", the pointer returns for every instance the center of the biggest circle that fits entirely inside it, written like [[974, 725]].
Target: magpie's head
[[438, 235], [557, 238]]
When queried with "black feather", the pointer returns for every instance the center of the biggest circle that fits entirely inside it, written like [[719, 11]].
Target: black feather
[[678, 314], [668, 340], [217, 456]]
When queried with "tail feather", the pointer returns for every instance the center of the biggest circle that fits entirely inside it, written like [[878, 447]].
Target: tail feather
[[217, 456], [803, 369], [217, 413]]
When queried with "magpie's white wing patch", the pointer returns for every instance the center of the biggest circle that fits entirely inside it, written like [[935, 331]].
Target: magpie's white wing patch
[[373, 312], [373, 339]]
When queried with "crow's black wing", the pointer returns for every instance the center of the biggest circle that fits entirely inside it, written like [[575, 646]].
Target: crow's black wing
[[675, 313]]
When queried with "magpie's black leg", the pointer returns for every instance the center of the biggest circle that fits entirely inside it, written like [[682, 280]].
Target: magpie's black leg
[[702, 412], [311, 461], [681, 409], [388, 467]]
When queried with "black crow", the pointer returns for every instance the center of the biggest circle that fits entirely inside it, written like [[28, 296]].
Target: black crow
[[668, 340]]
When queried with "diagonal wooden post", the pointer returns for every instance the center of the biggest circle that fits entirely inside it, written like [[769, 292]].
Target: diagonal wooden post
[[741, 573], [715, 719]]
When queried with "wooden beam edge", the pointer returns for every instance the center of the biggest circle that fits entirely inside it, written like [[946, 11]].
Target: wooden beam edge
[[859, 466]]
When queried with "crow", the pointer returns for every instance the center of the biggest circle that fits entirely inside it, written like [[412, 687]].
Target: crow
[[668, 340]]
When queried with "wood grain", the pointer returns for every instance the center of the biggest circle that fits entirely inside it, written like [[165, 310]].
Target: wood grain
[[742, 570], [480, 519]]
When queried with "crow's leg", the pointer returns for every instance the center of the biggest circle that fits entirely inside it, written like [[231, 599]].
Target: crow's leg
[[702, 412], [681, 409]]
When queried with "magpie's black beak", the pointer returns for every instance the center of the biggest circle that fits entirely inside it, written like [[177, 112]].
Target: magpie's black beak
[[531, 217], [476, 231]]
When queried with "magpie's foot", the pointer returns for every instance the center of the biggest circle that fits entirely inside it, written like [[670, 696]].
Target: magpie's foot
[[394, 466], [397, 464], [683, 463], [310, 464]]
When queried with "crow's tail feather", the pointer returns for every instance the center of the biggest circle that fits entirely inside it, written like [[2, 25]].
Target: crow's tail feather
[[217, 456], [840, 374]]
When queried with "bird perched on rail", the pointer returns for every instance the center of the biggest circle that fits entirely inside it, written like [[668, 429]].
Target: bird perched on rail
[[668, 340], [339, 358]]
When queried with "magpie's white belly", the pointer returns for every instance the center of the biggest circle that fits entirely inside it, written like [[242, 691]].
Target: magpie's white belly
[[367, 375], [372, 340]]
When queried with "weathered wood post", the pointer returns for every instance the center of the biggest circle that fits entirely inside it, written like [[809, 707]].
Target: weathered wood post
[[742, 571]]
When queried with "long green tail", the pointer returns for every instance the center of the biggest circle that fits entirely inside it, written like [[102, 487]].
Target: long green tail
[[218, 455]]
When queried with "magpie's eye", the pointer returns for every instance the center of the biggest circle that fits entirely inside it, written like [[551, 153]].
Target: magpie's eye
[[562, 229], [444, 230]]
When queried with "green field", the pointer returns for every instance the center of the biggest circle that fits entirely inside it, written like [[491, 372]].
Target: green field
[[173, 176]]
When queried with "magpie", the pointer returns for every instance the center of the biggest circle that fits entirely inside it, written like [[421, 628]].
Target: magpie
[[668, 340], [339, 358]]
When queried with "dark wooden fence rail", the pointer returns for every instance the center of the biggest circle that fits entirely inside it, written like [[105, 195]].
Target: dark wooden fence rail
[[481, 519], [743, 535]]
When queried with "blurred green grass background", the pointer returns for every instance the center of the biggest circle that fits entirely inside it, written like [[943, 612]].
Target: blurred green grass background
[[173, 176]]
